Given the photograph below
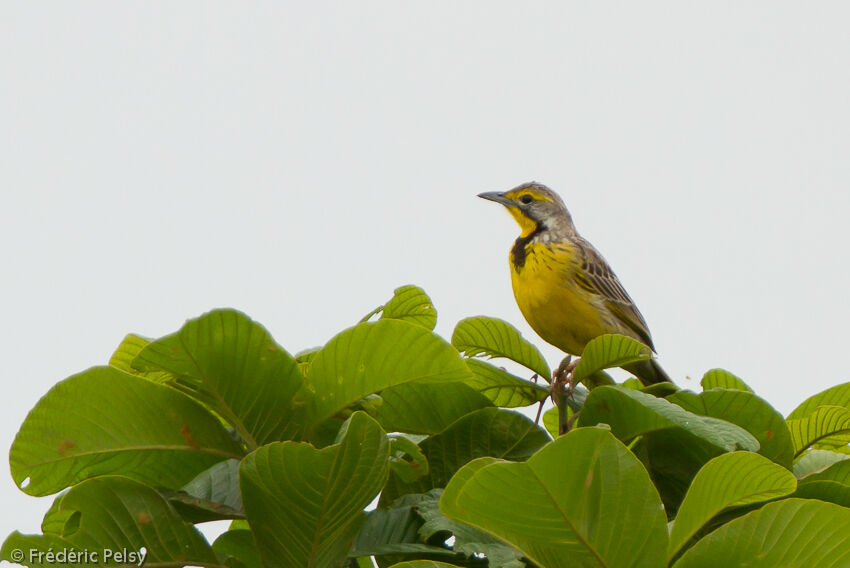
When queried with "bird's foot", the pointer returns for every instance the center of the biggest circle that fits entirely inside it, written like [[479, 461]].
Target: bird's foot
[[563, 383], [562, 378]]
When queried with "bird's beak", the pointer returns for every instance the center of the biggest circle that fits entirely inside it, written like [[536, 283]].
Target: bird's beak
[[498, 197]]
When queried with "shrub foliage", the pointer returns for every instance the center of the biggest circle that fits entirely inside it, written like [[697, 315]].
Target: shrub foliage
[[219, 422]]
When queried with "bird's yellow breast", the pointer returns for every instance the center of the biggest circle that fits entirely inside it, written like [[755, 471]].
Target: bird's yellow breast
[[550, 299]]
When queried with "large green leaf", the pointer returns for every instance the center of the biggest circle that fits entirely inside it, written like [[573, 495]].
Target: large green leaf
[[104, 421], [826, 426], [412, 304], [791, 533], [118, 515], [503, 388], [746, 410], [231, 364], [492, 432], [630, 413], [839, 395], [583, 500], [425, 408], [305, 505], [493, 337], [371, 357], [720, 379], [729, 480], [607, 351]]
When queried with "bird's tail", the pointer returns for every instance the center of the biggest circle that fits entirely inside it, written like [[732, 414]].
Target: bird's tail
[[649, 372]]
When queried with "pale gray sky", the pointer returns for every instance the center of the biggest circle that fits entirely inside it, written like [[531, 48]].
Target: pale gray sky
[[299, 161]]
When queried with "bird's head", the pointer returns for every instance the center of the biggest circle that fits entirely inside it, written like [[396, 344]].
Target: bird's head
[[534, 206]]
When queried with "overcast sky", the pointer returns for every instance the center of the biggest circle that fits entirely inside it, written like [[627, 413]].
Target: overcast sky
[[300, 161]]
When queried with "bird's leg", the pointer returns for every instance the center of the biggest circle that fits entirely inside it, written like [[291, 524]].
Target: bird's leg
[[563, 376], [562, 383]]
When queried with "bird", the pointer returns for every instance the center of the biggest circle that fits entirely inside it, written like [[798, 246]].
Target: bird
[[563, 286]]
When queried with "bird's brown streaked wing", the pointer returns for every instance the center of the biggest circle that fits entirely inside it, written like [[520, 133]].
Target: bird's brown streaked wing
[[595, 276]]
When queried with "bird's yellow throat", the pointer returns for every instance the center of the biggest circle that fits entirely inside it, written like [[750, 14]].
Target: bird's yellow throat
[[527, 225]]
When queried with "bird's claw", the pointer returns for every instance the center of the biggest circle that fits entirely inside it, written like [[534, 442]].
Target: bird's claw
[[562, 378], [563, 383]]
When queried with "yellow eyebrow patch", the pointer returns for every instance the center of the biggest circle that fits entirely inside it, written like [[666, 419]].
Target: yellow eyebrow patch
[[518, 194]]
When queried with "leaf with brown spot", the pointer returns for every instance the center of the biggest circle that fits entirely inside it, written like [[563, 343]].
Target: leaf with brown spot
[[186, 434], [64, 446], [105, 421], [117, 513]]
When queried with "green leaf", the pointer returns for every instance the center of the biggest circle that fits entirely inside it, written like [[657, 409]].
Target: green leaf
[[503, 388], [469, 541], [212, 495], [104, 421], [630, 413], [487, 432], [407, 460], [607, 351], [660, 390], [835, 467], [395, 532], [305, 505], [826, 426], [412, 304], [550, 421], [371, 357], [838, 395], [493, 337], [54, 520], [565, 516], [825, 490], [238, 546], [814, 461], [748, 411], [218, 484], [232, 365], [31, 550], [306, 355], [720, 379], [130, 347], [117, 513], [791, 533], [729, 480], [426, 408], [673, 457]]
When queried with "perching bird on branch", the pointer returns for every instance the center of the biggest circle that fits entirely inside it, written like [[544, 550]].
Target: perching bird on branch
[[563, 286]]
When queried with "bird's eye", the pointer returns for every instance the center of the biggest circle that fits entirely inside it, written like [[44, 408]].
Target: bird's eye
[[526, 199]]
